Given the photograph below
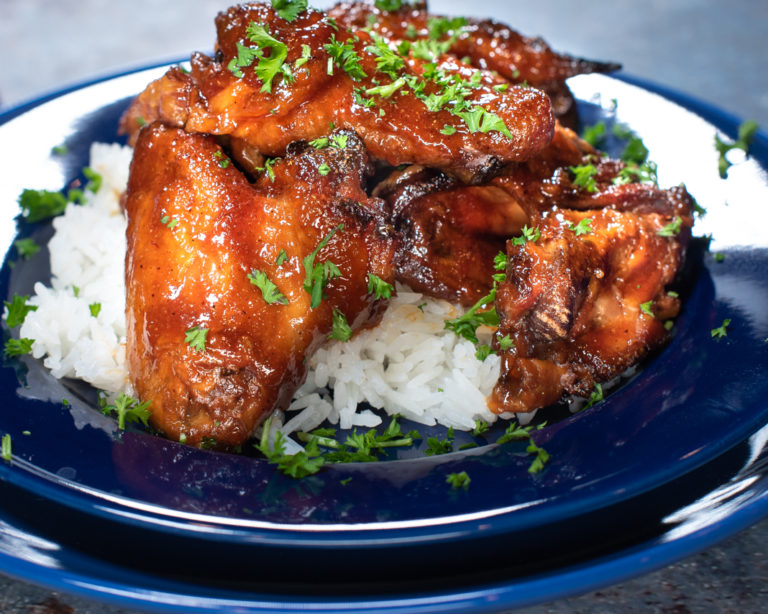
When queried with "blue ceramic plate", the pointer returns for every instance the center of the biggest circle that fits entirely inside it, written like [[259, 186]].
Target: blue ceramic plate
[[670, 462]]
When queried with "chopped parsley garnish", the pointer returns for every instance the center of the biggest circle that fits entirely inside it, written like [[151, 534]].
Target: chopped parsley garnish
[[297, 465], [743, 140], [320, 142], [37, 205], [317, 275], [515, 432], [437, 446], [17, 347], [526, 234], [59, 150], [387, 61], [341, 330], [385, 91], [323, 169], [95, 309], [584, 227], [595, 396], [267, 67], [26, 248], [467, 324], [389, 5], [584, 177], [6, 448], [282, 258], [378, 287], [94, 179], [506, 343], [721, 331], [306, 54], [438, 27], [483, 351], [647, 172], [481, 426], [719, 257], [345, 57], [17, 310], [541, 456], [127, 409], [221, 158], [595, 134], [339, 141], [268, 167], [647, 308], [169, 222], [269, 290], [289, 9], [458, 480], [671, 229], [448, 129], [195, 338]]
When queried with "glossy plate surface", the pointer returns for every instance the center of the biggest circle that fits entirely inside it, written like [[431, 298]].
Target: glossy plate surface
[[667, 464]]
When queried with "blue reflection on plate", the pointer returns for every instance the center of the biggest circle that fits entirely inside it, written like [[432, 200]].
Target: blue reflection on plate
[[667, 464]]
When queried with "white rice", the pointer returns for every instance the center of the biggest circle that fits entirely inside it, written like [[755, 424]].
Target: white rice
[[408, 365]]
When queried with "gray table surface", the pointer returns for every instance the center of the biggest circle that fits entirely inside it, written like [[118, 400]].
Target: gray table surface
[[711, 50]]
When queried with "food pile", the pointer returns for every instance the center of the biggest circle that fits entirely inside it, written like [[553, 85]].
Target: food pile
[[284, 190]]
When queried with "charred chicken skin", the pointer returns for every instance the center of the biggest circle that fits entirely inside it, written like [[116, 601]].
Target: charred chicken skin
[[231, 285], [444, 115]]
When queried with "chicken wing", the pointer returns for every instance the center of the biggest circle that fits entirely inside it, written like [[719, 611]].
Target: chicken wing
[[231, 285], [588, 298], [483, 43], [272, 82], [451, 232]]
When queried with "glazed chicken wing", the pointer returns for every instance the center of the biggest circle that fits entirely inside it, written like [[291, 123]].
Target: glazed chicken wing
[[272, 82], [483, 43], [231, 285], [588, 298], [450, 232]]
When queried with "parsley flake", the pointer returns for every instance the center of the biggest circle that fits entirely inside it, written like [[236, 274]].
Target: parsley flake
[[323, 169], [6, 450], [26, 248], [584, 227], [584, 177], [671, 229], [378, 287], [647, 308], [595, 396], [17, 347], [195, 338], [38, 205], [527, 234], [345, 57], [269, 290], [721, 331], [267, 67], [458, 480], [95, 309], [127, 409], [746, 134], [17, 310], [289, 9], [341, 330], [317, 275]]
